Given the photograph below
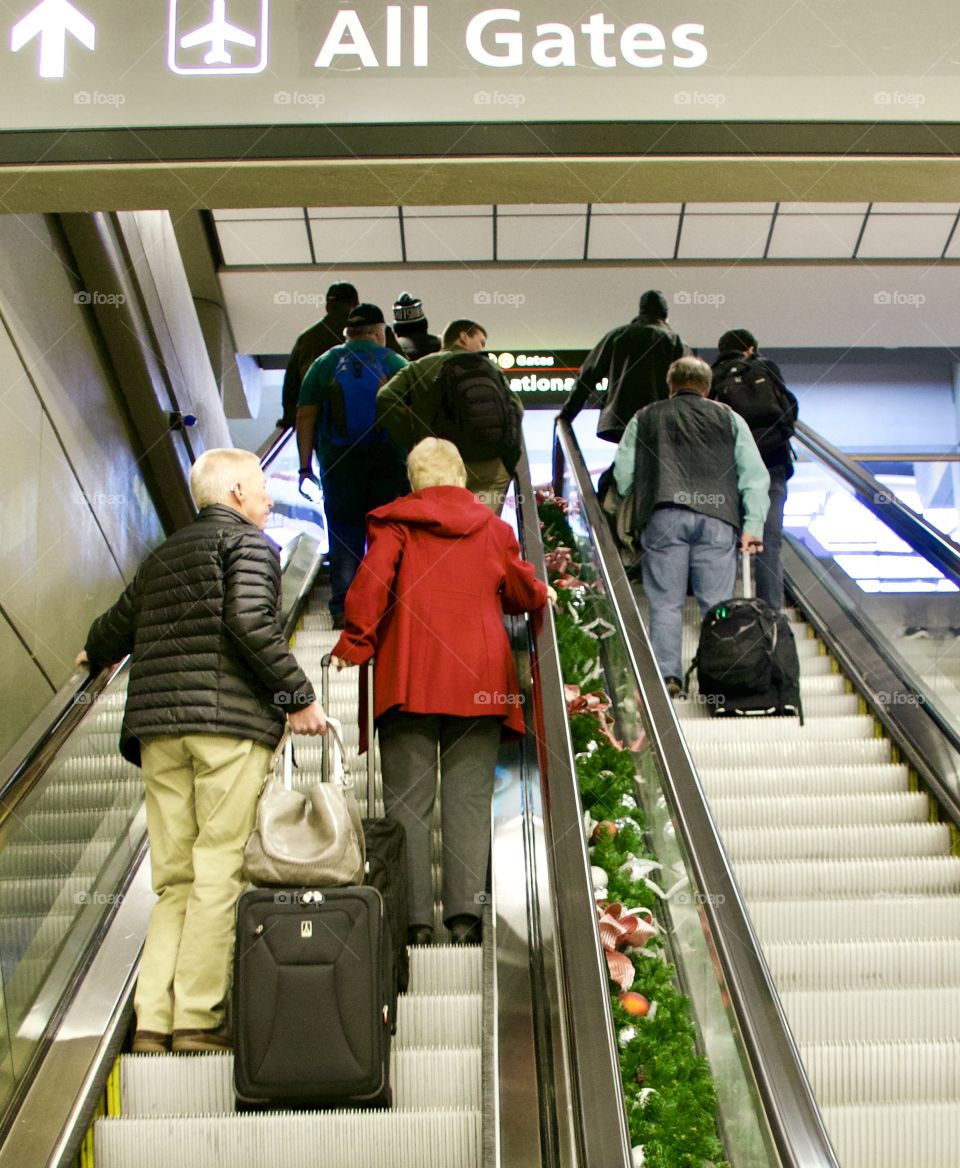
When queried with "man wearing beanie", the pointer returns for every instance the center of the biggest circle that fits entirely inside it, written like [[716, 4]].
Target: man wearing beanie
[[410, 325], [361, 468], [634, 358]]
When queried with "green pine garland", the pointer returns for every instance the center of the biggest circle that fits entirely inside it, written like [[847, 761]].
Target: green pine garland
[[670, 1098]]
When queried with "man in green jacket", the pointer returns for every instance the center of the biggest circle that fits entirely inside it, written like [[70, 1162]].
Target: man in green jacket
[[410, 403]]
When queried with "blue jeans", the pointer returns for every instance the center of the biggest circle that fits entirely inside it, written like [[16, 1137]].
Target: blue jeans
[[768, 568], [356, 479], [680, 545]]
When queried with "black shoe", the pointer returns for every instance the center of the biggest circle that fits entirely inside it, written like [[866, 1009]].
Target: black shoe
[[337, 618], [674, 686], [420, 935], [465, 930]]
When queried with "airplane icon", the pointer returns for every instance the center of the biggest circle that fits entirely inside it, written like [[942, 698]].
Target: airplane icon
[[218, 36], [217, 33]]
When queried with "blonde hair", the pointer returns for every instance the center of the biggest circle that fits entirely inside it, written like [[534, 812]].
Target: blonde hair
[[216, 471], [434, 462]]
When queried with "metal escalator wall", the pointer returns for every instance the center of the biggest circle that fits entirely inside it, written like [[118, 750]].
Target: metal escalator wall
[[796, 1130]]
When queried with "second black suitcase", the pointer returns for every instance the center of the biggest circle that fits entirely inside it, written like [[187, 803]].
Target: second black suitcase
[[313, 975]]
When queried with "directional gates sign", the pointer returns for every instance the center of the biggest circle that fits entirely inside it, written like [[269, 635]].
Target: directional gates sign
[[87, 64]]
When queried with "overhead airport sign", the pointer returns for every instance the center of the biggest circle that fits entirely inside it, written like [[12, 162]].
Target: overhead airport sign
[[86, 64]]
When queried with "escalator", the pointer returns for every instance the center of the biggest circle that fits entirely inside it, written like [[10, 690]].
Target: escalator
[[506, 1055], [842, 834]]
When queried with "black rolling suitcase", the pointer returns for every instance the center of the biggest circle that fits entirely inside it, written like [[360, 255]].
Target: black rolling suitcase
[[312, 989], [746, 659], [385, 841]]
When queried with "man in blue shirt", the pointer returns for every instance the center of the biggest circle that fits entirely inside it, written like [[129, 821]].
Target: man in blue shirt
[[698, 479], [361, 468]]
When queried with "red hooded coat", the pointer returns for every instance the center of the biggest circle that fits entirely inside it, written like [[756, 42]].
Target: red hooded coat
[[440, 571]]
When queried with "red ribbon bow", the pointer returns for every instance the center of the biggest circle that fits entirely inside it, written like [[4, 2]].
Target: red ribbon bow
[[619, 929], [596, 704]]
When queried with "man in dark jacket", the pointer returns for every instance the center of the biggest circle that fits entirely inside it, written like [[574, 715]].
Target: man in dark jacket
[[212, 681], [698, 480], [754, 387], [634, 358]]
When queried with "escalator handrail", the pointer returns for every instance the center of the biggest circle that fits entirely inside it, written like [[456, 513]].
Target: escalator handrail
[[595, 1069], [791, 1112], [912, 528]]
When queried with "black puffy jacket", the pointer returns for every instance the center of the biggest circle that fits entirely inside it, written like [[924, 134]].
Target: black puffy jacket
[[201, 618]]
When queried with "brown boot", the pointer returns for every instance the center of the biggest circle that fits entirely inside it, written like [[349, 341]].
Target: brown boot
[[202, 1041], [150, 1042]]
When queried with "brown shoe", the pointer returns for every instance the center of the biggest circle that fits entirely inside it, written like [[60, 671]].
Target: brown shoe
[[150, 1042], [202, 1041]]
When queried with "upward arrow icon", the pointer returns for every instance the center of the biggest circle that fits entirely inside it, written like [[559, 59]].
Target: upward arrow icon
[[51, 20]]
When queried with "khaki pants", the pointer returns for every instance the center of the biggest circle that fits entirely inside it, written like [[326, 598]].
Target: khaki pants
[[489, 481], [201, 795]]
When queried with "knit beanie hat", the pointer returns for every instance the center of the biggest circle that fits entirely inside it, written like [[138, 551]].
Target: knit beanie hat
[[653, 305], [408, 309]]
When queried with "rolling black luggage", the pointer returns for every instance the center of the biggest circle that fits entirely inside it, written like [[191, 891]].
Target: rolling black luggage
[[746, 659], [312, 990], [386, 845]]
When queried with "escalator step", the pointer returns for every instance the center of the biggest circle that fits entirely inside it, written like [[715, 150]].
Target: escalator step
[[735, 783], [152, 1085], [931, 1014], [375, 1139], [875, 1072], [439, 1020], [35, 896], [847, 878], [439, 969], [815, 706], [863, 918], [933, 961], [740, 751], [780, 730], [54, 826], [91, 794], [866, 842], [920, 1134], [66, 857], [817, 811]]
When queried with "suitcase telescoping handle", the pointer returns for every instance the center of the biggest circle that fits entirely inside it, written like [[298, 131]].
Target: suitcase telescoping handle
[[747, 573], [368, 714]]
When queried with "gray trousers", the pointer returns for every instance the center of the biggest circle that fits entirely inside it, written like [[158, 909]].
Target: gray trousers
[[468, 758]]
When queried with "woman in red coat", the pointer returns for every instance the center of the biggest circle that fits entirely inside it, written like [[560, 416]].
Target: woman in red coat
[[440, 571]]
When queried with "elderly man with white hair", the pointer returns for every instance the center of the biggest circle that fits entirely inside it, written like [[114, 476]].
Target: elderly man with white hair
[[212, 682]]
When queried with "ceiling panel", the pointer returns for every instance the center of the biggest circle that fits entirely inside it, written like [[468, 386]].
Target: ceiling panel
[[260, 213], [730, 208], [430, 212], [357, 241], [815, 237], [905, 236], [541, 237], [433, 240], [823, 208], [724, 237], [541, 209], [953, 251], [262, 242], [633, 237], [915, 209], [352, 212], [636, 208]]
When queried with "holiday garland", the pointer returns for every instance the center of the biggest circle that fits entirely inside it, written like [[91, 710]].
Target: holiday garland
[[670, 1098]]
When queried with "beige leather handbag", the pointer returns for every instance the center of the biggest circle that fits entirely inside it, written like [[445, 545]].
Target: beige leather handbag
[[311, 837]]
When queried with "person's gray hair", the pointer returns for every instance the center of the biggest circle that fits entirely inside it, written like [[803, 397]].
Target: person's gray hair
[[216, 471], [690, 373], [434, 462]]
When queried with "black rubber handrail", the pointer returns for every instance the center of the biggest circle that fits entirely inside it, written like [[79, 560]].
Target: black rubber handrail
[[794, 1120], [597, 1087], [912, 528]]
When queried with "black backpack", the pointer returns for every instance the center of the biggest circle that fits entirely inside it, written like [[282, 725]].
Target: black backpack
[[747, 386], [476, 412], [747, 660]]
